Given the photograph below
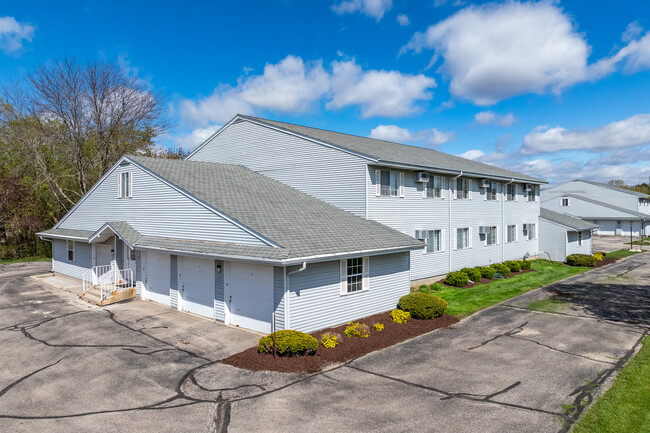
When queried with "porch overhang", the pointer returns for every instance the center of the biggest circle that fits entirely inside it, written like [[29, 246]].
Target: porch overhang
[[121, 229]]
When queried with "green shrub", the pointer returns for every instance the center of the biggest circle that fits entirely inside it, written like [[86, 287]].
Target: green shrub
[[330, 339], [354, 330], [436, 287], [289, 343], [457, 279], [513, 265], [487, 272], [525, 265], [423, 286], [581, 260], [422, 305], [400, 316], [501, 269], [472, 273]]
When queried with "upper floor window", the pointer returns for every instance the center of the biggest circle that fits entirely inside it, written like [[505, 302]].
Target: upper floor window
[[389, 183], [354, 275], [564, 202], [435, 188], [463, 189], [491, 191], [511, 192], [512, 234], [70, 246], [463, 238], [124, 184], [532, 193]]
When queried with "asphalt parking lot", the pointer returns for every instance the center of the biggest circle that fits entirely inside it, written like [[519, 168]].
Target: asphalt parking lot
[[137, 366]]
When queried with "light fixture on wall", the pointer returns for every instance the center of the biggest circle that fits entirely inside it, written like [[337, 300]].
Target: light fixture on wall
[[218, 269]]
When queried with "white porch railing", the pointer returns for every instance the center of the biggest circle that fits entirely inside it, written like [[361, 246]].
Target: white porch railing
[[108, 279]]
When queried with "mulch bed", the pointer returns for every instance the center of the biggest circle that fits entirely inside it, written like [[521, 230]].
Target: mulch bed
[[487, 281], [603, 262], [349, 348]]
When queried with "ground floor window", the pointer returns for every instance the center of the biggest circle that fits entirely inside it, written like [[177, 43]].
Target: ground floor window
[[434, 241], [491, 235], [70, 245], [532, 234], [512, 234], [462, 238], [354, 275]]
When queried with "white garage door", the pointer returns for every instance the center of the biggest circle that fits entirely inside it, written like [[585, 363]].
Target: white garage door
[[251, 291], [157, 273], [197, 285]]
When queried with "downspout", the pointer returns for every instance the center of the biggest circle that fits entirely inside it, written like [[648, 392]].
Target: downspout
[[51, 261], [450, 231], [503, 221], [287, 289]]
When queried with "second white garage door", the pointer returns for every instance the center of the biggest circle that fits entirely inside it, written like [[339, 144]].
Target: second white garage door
[[197, 285], [157, 272], [251, 292]]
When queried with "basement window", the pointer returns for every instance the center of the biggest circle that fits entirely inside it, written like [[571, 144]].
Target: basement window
[[70, 246]]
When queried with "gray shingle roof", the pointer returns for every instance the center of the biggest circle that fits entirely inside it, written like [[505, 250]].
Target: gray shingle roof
[[389, 152], [566, 220], [612, 187], [66, 233], [125, 231], [610, 206], [302, 225]]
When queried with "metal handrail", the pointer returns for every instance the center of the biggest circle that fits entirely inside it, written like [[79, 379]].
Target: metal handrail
[[109, 278]]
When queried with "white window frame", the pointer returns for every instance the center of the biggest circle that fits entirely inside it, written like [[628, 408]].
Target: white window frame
[[125, 184], [468, 183], [491, 192], [516, 234], [70, 250], [528, 234], [491, 231], [430, 192], [430, 235], [512, 186], [364, 274], [394, 177], [533, 193], [468, 243]]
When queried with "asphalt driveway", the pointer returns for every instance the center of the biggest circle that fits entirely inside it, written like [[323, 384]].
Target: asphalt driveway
[[68, 367]]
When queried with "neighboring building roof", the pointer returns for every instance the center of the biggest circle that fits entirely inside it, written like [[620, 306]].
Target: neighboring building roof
[[640, 215], [303, 226], [387, 152], [612, 187], [566, 220]]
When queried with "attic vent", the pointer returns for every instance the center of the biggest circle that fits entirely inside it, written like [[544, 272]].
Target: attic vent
[[125, 164]]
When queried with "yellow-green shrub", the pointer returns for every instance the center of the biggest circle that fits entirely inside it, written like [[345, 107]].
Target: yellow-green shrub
[[289, 343], [400, 316], [357, 330], [378, 326], [599, 256], [330, 339]]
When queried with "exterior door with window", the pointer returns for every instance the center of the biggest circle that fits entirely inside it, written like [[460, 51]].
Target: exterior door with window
[[129, 260], [618, 228]]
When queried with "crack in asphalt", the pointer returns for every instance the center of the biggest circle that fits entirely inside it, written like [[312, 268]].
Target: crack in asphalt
[[512, 331], [27, 376], [584, 394]]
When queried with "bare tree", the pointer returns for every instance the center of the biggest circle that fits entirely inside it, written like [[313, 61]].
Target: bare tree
[[83, 116]]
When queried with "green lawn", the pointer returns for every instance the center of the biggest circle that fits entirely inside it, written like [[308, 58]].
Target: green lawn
[[463, 302], [619, 254], [25, 259], [625, 407]]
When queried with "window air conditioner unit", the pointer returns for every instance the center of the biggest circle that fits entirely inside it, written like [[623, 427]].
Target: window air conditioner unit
[[421, 234], [482, 230], [528, 187], [421, 176], [485, 183], [525, 227]]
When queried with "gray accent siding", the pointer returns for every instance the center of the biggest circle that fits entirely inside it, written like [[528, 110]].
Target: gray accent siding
[[315, 298], [219, 291], [278, 296], [83, 258], [155, 209], [119, 253], [329, 174], [173, 281]]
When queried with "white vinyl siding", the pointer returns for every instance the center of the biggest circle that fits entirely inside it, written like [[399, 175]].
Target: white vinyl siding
[[83, 258]]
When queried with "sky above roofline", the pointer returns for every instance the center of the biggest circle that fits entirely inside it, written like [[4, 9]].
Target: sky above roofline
[[555, 90]]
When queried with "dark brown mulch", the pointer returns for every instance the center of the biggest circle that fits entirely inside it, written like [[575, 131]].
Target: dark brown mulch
[[604, 261], [487, 281], [349, 348]]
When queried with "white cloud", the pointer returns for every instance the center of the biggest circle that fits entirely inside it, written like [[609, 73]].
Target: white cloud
[[378, 93], [631, 132], [13, 33], [403, 20], [473, 154], [488, 117], [429, 137], [190, 140], [372, 8], [632, 31], [438, 3], [600, 170], [495, 51]]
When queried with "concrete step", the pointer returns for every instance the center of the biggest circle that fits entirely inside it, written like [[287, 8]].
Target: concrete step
[[94, 297]]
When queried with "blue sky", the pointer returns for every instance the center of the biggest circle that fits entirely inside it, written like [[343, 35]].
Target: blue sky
[[553, 89]]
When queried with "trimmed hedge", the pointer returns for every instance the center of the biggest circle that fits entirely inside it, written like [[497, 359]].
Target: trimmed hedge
[[502, 269], [457, 279], [422, 305], [525, 265], [289, 343], [473, 274], [581, 260], [487, 272], [514, 265]]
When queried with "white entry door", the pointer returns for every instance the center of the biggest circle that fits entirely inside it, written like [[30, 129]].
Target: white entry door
[[157, 282], [103, 255], [250, 290], [197, 285]]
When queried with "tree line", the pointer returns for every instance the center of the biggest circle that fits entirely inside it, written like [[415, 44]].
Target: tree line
[[641, 187], [62, 127]]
